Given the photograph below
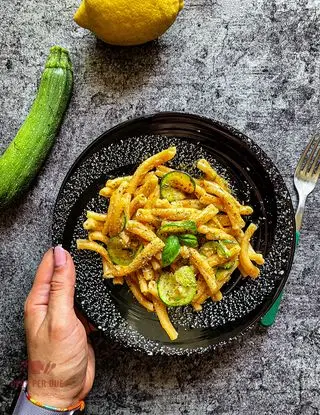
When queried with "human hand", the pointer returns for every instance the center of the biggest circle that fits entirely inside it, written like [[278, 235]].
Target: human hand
[[61, 361]]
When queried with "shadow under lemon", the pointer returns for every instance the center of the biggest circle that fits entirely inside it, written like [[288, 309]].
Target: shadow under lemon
[[113, 70]]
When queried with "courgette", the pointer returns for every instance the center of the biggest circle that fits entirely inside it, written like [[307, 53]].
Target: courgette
[[215, 247], [222, 250], [119, 226], [224, 272], [179, 288], [208, 249], [178, 227], [24, 157], [188, 240], [228, 265], [175, 185], [121, 254]]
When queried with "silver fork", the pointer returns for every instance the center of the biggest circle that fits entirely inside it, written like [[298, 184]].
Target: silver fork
[[306, 176]]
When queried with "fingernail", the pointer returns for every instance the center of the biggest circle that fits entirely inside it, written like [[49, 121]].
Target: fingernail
[[60, 257]]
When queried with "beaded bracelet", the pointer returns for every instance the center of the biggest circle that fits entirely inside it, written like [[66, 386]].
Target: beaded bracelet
[[79, 406]]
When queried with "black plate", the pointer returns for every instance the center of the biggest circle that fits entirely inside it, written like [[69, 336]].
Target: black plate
[[255, 180]]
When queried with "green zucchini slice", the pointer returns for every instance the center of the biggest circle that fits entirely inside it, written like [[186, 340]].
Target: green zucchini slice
[[208, 249], [176, 185], [188, 240], [179, 227], [215, 247], [224, 272], [119, 253], [179, 288], [222, 250], [228, 265]]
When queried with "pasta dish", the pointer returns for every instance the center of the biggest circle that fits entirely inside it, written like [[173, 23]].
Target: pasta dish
[[172, 238]]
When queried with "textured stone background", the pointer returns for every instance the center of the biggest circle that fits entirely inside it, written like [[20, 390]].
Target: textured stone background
[[253, 64]]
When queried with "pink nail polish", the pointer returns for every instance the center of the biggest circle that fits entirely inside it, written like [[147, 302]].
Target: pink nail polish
[[60, 257]]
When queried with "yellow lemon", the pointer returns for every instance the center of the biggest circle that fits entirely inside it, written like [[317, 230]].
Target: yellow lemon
[[127, 22]]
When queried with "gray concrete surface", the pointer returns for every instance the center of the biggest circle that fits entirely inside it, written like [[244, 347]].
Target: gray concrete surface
[[253, 64]]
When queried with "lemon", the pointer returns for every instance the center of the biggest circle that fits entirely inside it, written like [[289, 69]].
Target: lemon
[[127, 22]]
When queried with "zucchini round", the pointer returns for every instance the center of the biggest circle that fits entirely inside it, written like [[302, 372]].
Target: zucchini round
[[175, 186], [178, 227], [208, 249], [24, 157], [215, 247], [119, 253], [227, 265], [179, 288], [188, 240]]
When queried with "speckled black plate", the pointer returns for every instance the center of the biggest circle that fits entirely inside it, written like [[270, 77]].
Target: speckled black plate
[[255, 180]]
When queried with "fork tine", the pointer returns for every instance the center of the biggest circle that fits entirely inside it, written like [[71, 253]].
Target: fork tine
[[315, 168], [309, 158], [317, 173], [314, 160], [304, 154]]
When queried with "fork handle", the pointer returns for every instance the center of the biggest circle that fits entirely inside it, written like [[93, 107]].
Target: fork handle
[[300, 211], [269, 318]]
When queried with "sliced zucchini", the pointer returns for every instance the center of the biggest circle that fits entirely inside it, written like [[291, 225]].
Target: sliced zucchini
[[188, 240], [172, 194], [227, 265], [175, 185], [120, 226], [208, 249], [170, 250], [224, 272], [119, 253], [215, 247], [123, 222], [179, 288], [179, 227], [229, 241], [222, 250]]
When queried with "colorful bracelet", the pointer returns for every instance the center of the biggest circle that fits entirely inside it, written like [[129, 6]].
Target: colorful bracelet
[[79, 406]]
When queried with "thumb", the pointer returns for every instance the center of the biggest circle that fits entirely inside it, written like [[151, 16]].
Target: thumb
[[62, 284]]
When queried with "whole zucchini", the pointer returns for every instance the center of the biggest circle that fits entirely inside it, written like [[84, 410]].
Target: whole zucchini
[[24, 157]]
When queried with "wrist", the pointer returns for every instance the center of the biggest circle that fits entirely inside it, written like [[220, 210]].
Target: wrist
[[26, 404], [50, 392]]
